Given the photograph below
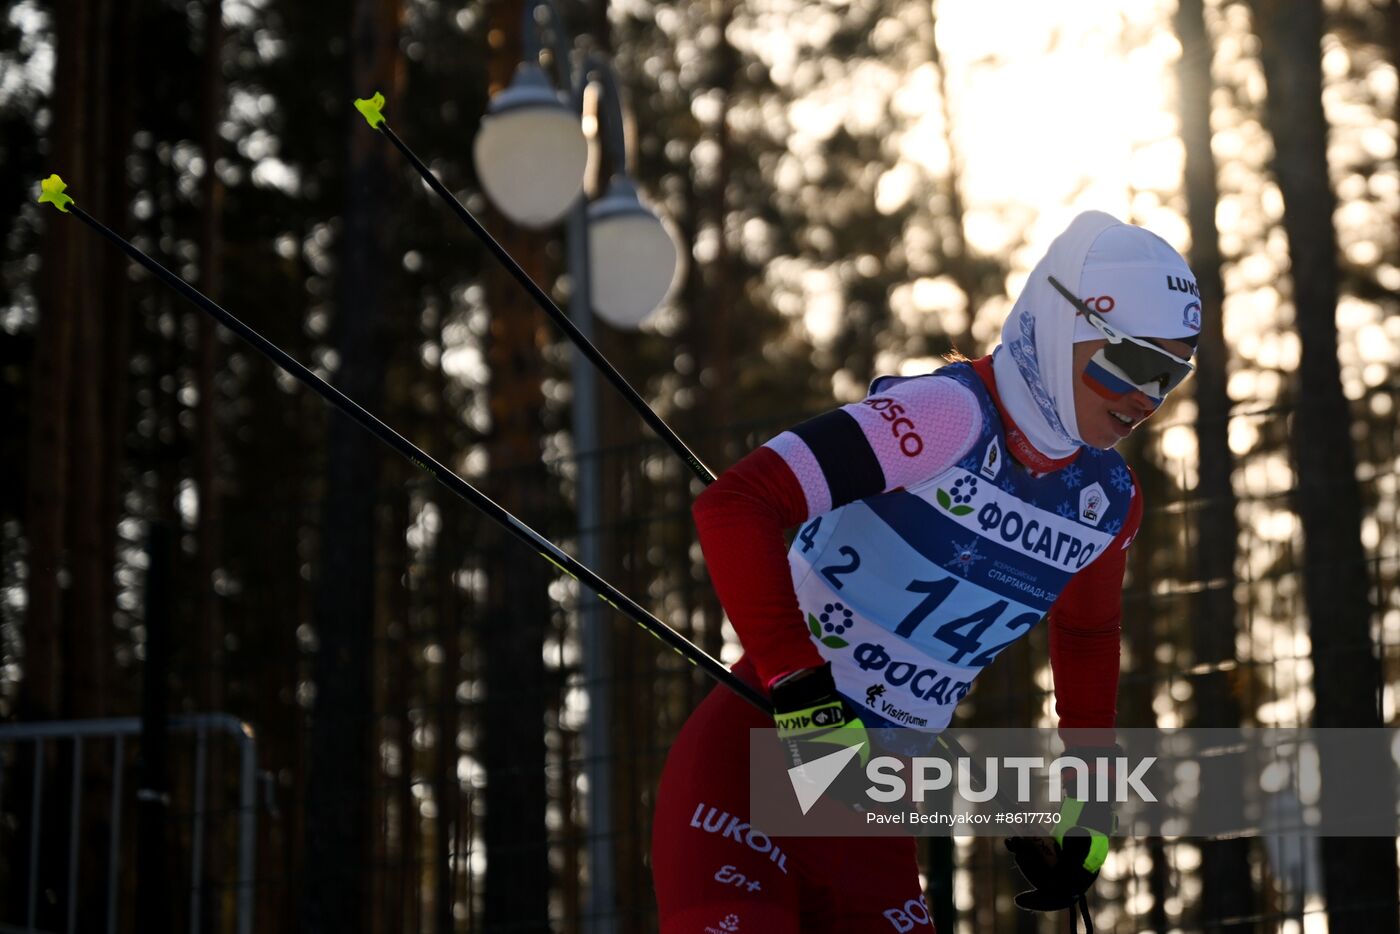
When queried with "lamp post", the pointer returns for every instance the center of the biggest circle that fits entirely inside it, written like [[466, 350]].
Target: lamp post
[[531, 155]]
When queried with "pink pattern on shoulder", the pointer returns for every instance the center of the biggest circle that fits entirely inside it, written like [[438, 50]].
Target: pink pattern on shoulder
[[918, 428], [803, 464]]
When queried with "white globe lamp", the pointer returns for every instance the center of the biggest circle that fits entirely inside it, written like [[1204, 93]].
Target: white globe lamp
[[632, 258], [530, 151]]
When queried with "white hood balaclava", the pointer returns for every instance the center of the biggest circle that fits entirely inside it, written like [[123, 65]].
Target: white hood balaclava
[[1151, 293]]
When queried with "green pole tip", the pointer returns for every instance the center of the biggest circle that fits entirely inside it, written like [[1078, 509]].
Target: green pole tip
[[371, 109], [51, 190]]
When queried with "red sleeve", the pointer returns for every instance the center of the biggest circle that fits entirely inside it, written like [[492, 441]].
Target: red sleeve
[[740, 519], [1084, 634]]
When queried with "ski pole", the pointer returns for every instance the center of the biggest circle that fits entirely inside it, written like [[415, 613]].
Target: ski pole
[[371, 109], [52, 191]]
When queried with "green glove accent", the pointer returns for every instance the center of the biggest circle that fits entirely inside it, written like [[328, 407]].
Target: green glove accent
[[1098, 852], [826, 722], [370, 108], [51, 190], [807, 709], [1069, 819]]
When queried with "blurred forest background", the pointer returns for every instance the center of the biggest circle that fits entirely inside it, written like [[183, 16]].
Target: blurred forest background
[[857, 186]]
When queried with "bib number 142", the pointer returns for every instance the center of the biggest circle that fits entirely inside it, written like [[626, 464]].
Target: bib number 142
[[964, 634]]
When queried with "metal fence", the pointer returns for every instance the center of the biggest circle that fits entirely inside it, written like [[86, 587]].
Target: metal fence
[[107, 751]]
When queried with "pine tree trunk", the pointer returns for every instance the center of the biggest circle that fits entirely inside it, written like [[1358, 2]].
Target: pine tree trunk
[[208, 625], [1227, 890], [207, 628], [514, 621], [696, 298], [89, 619], [116, 290], [92, 515], [339, 793], [400, 886], [1358, 873], [447, 604], [154, 910], [66, 252], [516, 611]]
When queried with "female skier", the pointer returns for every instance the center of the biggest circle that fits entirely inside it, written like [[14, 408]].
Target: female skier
[[941, 518]]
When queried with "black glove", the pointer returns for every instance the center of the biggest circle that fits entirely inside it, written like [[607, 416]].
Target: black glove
[[1062, 867], [812, 719], [1059, 870]]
